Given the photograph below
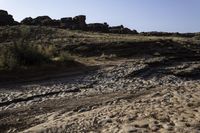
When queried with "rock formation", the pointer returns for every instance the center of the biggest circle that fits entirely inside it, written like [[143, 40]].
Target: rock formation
[[27, 21], [98, 27], [76, 23], [121, 30], [6, 19], [79, 22], [66, 22], [42, 21]]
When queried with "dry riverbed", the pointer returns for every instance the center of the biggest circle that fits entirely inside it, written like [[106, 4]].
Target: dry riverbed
[[146, 94]]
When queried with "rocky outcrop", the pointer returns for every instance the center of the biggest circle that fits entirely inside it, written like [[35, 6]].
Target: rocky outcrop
[[66, 22], [79, 22], [121, 30], [98, 27], [41, 20], [76, 23], [104, 27], [6, 19], [27, 21]]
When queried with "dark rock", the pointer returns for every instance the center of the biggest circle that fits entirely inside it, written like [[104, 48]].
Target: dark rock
[[76, 23], [5, 18], [121, 30], [67, 22], [2, 12], [27, 21], [117, 27], [99, 27], [134, 32], [42, 20], [79, 22], [55, 23]]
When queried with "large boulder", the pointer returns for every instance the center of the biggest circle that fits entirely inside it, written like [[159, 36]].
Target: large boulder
[[79, 22], [98, 27], [27, 21], [6, 19], [4, 13], [41, 20], [55, 23], [66, 22], [116, 29]]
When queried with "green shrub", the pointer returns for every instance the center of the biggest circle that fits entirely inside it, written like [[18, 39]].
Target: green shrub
[[7, 59], [29, 55], [21, 54]]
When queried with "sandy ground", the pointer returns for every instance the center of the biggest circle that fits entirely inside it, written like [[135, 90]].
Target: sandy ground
[[148, 94]]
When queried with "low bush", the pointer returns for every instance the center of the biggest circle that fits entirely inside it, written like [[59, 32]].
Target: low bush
[[21, 54]]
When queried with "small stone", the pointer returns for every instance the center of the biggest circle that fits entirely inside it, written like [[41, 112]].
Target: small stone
[[106, 120], [167, 127], [154, 128], [81, 110]]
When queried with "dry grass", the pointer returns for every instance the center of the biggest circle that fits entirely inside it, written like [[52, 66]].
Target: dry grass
[[52, 42]]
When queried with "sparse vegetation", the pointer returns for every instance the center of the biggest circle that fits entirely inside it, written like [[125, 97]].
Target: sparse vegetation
[[21, 55], [26, 46], [22, 47]]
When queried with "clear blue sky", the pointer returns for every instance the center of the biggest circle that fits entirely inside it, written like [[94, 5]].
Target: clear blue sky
[[142, 15]]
